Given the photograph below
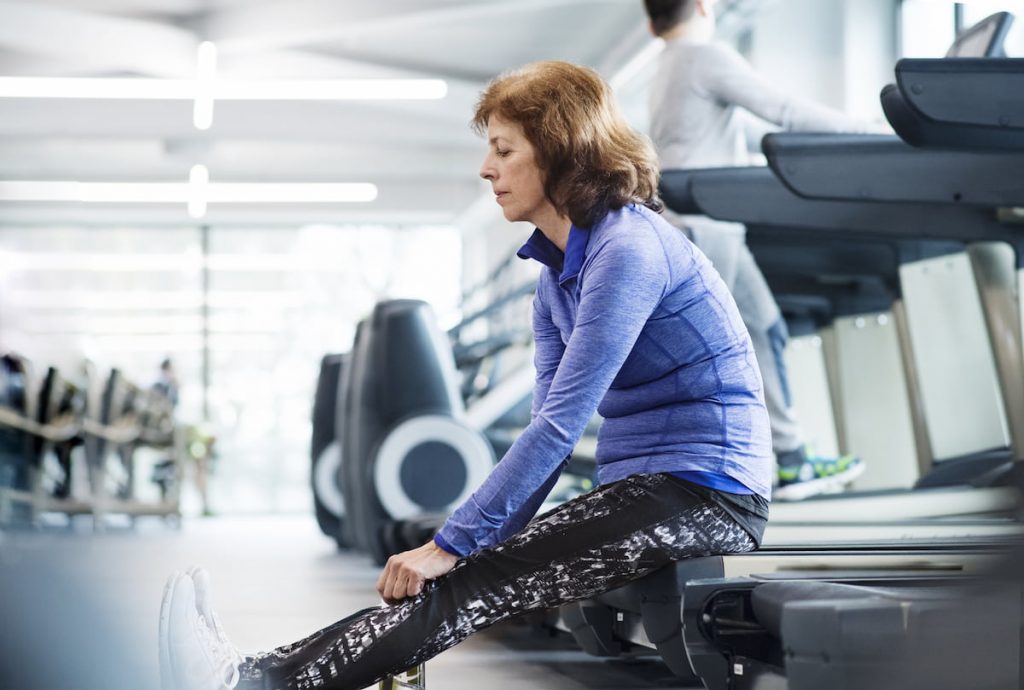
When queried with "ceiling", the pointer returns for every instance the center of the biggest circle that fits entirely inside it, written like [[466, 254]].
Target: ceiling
[[421, 154]]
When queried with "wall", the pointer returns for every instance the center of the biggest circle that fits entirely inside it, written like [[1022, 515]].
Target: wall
[[837, 52]]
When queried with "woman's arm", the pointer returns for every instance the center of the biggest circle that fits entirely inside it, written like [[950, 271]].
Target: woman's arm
[[548, 351], [624, 283]]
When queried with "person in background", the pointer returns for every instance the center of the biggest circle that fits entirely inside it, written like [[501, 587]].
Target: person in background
[[708, 107], [630, 320], [167, 382], [164, 472]]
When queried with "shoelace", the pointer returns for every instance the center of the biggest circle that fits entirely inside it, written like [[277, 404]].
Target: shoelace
[[236, 656], [223, 653]]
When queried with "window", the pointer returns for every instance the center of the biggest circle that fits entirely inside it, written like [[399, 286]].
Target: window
[[276, 300], [928, 27]]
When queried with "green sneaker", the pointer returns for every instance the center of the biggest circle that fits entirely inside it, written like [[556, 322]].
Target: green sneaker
[[815, 475]]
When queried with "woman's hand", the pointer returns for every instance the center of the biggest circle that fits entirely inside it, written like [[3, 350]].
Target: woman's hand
[[407, 572]]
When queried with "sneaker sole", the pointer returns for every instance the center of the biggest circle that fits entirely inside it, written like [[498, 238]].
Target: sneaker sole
[[166, 672], [802, 490]]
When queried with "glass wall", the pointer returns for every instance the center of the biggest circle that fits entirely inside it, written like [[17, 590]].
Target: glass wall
[[928, 27], [244, 314]]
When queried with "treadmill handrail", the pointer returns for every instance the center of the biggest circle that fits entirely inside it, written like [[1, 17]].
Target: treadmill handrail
[[877, 168], [755, 196], [674, 189], [973, 91]]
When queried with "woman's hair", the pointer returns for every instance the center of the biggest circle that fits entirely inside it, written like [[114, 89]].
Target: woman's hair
[[592, 160]]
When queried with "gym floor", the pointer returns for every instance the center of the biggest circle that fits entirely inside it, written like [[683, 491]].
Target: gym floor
[[275, 580]]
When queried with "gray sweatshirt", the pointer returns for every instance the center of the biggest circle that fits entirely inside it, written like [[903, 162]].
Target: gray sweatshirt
[[701, 101]]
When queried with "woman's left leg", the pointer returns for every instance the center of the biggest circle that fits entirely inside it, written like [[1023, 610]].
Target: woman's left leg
[[596, 542]]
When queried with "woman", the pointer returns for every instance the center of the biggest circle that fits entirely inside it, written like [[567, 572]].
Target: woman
[[631, 321]]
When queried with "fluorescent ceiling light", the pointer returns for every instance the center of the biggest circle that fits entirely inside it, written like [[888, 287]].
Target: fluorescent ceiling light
[[179, 192], [186, 192], [99, 262], [326, 192], [333, 90], [202, 111], [143, 324], [148, 300], [224, 90]]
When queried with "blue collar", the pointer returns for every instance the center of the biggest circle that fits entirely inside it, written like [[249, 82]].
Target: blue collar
[[540, 248]]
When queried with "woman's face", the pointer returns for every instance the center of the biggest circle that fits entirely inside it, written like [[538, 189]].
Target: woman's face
[[510, 167]]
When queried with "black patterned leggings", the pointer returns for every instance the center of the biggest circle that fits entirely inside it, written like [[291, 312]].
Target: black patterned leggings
[[589, 545]]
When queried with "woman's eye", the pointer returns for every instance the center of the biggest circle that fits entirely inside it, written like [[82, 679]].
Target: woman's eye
[[501, 153]]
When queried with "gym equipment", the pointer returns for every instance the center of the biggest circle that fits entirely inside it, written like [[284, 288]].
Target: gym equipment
[[855, 630], [325, 448], [948, 104], [41, 430], [410, 448], [407, 449], [878, 198], [985, 39], [16, 445], [646, 614], [61, 403], [497, 393], [914, 634]]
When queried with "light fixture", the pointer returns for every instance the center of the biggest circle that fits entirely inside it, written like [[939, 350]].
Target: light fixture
[[224, 90], [198, 192], [206, 73]]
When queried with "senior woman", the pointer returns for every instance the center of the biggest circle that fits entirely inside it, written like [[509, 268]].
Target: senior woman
[[631, 321]]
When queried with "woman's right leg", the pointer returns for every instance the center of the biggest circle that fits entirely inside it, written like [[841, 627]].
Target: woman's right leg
[[596, 542]]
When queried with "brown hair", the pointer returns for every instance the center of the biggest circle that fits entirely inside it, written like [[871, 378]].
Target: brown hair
[[592, 160], [665, 15]]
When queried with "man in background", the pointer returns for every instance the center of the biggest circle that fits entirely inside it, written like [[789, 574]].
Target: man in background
[[708, 107]]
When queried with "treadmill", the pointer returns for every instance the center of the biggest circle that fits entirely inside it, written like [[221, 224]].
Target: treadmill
[[874, 629], [646, 613], [902, 534], [902, 528], [845, 612]]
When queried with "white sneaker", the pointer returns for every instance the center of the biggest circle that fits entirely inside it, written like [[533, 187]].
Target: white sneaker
[[196, 659], [166, 677], [201, 581]]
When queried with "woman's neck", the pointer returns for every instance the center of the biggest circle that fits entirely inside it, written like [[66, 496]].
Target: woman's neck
[[555, 227]]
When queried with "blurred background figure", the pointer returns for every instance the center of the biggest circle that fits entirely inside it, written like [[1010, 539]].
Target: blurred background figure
[[167, 383]]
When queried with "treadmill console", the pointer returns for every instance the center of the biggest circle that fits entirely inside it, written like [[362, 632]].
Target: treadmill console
[[984, 39]]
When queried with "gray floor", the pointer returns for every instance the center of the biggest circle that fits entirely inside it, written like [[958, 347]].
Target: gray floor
[[96, 598]]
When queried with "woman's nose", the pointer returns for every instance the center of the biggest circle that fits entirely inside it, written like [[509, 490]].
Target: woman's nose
[[486, 169]]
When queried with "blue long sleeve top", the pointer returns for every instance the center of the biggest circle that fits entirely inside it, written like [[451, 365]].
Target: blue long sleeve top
[[633, 322]]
